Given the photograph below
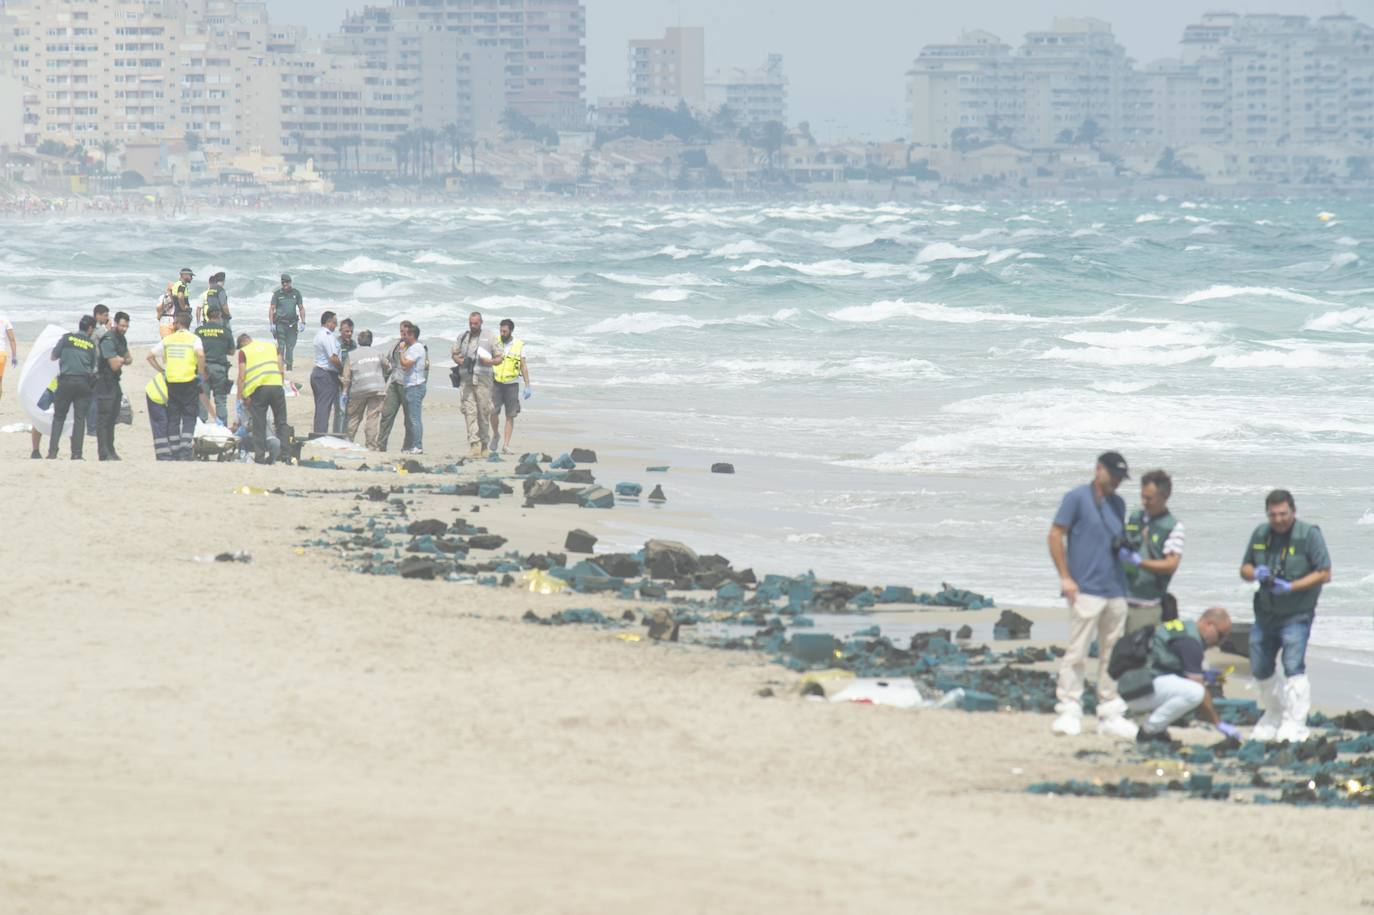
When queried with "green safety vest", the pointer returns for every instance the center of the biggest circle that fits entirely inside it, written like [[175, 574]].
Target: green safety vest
[[1285, 561], [1148, 540], [508, 369], [1162, 658]]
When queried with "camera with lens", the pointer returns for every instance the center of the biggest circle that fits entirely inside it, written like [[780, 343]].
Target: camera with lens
[[1119, 544]]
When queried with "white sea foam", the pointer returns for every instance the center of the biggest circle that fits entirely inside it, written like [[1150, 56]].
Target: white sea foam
[[1346, 319], [981, 234], [943, 251], [1348, 242], [676, 253], [443, 260], [1302, 358], [648, 322], [1099, 355], [524, 302], [1366, 518], [961, 268], [1148, 217], [996, 257], [744, 248], [672, 279], [1230, 292], [669, 294], [926, 311], [830, 268], [1344, 259], [963, 208], [1152, 337], [364, 264]]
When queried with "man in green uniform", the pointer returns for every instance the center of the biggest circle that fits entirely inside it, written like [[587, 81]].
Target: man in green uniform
[[1153, 551], [219, 346], [113, 356], [285, 316], [214, 295], [1172, 683], [1287, 558], [75, 355]]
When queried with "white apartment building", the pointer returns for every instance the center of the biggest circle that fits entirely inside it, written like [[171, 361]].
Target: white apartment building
[[543, 43], [755, 96], [665, 71], [1240, 80]]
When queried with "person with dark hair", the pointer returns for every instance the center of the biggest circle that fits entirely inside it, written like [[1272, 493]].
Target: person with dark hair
[[412, 360], [1173, 684], [285, 315], [1091, 518], [1151, 554], [183, 354], [1289, 561], [113, 356], [75, 355], [395, 393], [218, 341], [101, 313], [505, 384], [324, 378], [346, 345]]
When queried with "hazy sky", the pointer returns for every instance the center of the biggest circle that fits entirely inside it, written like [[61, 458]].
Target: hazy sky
[[846, 60]]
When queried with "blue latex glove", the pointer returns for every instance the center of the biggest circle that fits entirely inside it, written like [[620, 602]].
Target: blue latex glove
[[1210, 677], [1281, 586], [1229, 730], [1128, 556], [528, 392], [1261, 573]]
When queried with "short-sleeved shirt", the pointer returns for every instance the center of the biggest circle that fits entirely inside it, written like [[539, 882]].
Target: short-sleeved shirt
[[468, 344], [1092, 526], [160, 348], [112, 346], [217, 340], [1189, 651], [326, 345], [416, 373], [286, 305], [75, 355]]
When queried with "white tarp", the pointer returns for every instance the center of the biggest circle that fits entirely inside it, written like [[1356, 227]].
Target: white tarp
[[38, 372]]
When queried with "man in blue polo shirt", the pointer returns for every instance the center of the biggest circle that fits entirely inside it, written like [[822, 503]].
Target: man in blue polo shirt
[[1092, 521]]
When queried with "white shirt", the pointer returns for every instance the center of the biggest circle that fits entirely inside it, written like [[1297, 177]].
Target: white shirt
[[416, 373], [160, 348], [6, 328], [326, 345]]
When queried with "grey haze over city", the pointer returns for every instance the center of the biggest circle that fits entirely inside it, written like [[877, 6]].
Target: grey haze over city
[[846, 75]]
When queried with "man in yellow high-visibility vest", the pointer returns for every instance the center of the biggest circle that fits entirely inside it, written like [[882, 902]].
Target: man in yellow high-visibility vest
[[180, 358], [260, 384], [505, 386]]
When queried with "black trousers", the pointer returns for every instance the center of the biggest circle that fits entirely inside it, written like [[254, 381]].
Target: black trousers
[[108, 396], [273, 396], [73, 395], [183, 404]]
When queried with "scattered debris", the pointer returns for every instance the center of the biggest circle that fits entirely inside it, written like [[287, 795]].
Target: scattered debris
[[1011, 625], [584, 455], [657, 495], [579, 541], [722, 468]]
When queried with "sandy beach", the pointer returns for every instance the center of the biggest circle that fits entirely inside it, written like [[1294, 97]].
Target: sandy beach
[[289, 736]]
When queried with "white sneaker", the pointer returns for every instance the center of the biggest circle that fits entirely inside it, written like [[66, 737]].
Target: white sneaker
[[1067, 725], [1116, 726]]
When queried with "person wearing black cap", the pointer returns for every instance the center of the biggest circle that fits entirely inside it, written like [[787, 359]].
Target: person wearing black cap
[[214, 295], [285, 316], [1092, 518]]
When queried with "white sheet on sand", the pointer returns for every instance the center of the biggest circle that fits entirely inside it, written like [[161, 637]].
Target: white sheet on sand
[[899, 693], [334, 443], [39, 370]]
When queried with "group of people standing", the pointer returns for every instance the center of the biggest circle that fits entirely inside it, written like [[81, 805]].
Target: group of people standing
[[355, 383], [1115, 570]]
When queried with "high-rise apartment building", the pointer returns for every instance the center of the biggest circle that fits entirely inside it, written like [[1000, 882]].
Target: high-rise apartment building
[[1240, 80], [544, 47], [664, 71], [755, 96]]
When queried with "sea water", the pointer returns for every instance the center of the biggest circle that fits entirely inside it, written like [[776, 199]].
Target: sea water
[[906, 390]]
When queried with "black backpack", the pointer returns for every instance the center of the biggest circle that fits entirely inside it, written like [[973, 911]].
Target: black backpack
[[1131, 652]]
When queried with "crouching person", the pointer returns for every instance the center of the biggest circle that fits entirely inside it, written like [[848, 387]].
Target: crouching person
[[1171, 684]]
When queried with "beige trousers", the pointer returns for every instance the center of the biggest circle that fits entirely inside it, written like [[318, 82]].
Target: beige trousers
[[476, 401], [366, 410], [1104, 617]]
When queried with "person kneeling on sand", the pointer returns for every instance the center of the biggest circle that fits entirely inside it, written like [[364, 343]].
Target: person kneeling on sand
[[1171, 683], [1092, 518]]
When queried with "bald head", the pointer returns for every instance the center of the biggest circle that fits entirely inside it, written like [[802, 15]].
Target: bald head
[[1214, 625]]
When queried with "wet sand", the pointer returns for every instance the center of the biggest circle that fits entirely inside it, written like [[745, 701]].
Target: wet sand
[[287, 736]]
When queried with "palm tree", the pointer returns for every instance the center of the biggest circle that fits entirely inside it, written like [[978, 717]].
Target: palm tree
[[107, 148], [453, 135], [400, 145]]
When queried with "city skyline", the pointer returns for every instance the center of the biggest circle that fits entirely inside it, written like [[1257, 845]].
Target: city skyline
[[847, 88]]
